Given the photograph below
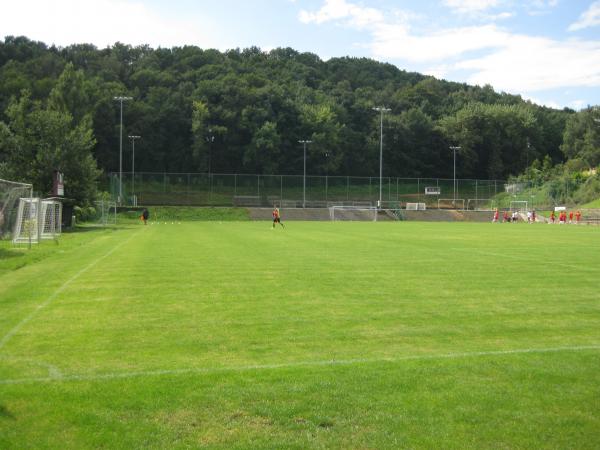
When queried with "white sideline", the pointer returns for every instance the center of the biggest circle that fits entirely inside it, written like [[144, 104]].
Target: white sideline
[[49, 300], [328, 362]]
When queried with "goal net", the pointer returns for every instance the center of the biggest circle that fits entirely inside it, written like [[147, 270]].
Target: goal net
[[27, 225], [353, 213], [519, 205], [416, 206], [10, 195], [106, 212], [50, 219]]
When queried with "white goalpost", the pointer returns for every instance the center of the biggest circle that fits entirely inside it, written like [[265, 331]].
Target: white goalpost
[[519, 205], [37, 219], [51, 218], [106, 212], [353, 213], [27, 228], [10, 194], [416, 206]]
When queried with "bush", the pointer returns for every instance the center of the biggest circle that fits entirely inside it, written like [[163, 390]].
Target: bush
[[84, 214]]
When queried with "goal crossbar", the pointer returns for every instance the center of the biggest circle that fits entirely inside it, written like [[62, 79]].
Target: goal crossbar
[[353, 213]]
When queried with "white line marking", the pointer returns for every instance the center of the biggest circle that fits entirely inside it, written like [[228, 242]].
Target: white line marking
[[53, 371], [66, 284], [328, 362]]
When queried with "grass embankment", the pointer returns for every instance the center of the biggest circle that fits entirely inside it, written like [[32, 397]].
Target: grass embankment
[[592, 205], [319, 335], [189, 213]]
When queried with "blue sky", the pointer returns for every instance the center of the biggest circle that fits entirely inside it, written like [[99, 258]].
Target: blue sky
[[545, 50]]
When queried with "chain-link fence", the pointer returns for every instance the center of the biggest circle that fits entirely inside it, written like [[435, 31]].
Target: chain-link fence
[[195, 189]]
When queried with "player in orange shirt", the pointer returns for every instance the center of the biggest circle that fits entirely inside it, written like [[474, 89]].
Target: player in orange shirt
[[276, 217], [577, 216]]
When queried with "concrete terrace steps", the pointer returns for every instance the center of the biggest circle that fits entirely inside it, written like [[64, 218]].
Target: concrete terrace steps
[[322, 214]]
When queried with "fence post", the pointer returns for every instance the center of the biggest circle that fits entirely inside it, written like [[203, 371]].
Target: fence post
[[347, 188]]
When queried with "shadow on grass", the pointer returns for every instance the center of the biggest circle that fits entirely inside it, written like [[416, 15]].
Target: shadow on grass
[[6, 253], [5, 413], [86, 228]]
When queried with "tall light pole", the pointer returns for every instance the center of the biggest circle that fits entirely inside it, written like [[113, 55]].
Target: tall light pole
[[304, 142], [454, 149], [133, 138], [121, 99], [381, 109]]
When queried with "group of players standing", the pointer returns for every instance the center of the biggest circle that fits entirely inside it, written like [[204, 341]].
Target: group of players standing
[[562, 217], [532, 217]]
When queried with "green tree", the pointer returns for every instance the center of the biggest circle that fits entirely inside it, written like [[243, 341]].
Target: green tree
[[581, 138], [38, 140]]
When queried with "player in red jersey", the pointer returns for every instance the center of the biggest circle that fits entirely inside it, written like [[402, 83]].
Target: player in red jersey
[[496, 215], [577, 216], [570, 216], [552, 217]]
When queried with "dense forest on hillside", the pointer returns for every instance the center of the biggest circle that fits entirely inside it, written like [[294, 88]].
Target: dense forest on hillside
[[243, 111]]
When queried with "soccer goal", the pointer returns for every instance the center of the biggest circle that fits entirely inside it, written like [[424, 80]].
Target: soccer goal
[[353, 213], [480, 204], [519, 205], [106, 212], [51, 219], [10, 194], [416, 206], [27, 225]]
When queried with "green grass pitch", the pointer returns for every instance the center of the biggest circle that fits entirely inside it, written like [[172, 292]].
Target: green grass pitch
[[319, 335]]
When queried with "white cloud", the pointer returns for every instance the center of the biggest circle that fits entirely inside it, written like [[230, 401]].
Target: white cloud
[[487, 53], [471, 6], [526, 63], [578, 104], [537, 101], [540, 7], [589, 18], [102, 23], [396, 41], [354, 15]]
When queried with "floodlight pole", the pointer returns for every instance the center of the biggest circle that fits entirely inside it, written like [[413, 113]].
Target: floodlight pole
[[121, 99], [304, 142], [454, 148], [133, 138], [381, 109]]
